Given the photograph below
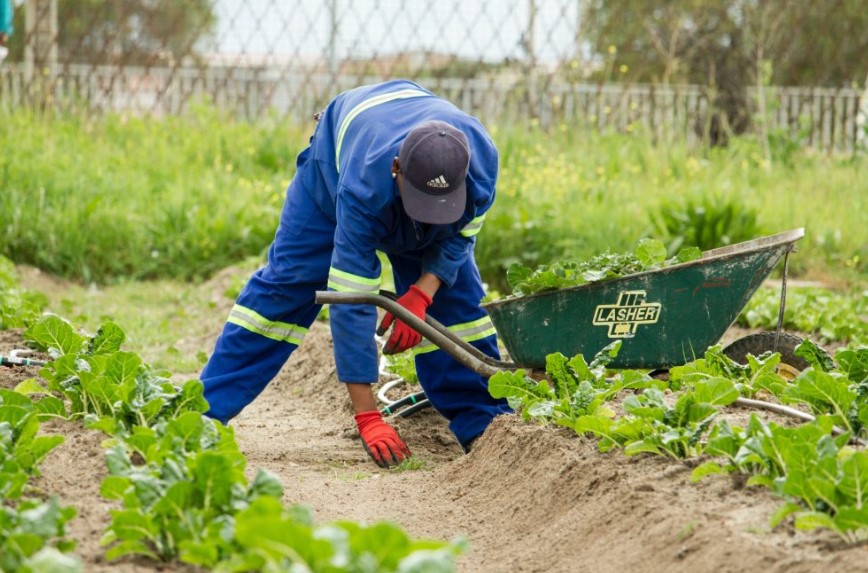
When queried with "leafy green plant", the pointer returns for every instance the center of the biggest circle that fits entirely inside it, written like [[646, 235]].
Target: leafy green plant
[[854, 364], [32, 531], [826, 390], [188, 498], [574, 388], [733, 444], [574, 395], [272, 538], [678, 431], [821, 477], [180, 476], [759, 374], [18, 307], [650, 425], [827, 393], [21, 450], [180, 500], [112, 388], [706, 221], [822, 480], [578, 392], [832, 316], [649, 254], [403, 365], [32, 537]]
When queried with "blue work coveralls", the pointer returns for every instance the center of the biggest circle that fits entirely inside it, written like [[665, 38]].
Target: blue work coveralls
[[342, 207]]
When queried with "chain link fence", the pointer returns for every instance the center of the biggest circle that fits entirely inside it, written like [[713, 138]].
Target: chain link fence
[[503, 60]]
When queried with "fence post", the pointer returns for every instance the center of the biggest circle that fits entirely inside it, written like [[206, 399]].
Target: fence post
[[861, 124], [40, 45]]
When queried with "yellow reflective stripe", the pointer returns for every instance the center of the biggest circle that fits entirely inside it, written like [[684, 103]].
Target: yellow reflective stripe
[[254, 322], [365, 105], [468, 332], [473, 226], [343, 281]]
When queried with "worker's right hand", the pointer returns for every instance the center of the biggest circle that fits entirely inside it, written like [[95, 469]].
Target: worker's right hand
[[403, 336], [381, 440]]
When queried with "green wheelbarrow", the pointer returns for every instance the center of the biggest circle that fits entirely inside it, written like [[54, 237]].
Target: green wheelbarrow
[[665, 317]]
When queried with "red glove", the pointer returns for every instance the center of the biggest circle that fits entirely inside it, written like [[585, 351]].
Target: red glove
[[381, 440], [403, 337]]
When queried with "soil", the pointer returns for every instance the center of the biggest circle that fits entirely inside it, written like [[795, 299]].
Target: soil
[[528, 498]]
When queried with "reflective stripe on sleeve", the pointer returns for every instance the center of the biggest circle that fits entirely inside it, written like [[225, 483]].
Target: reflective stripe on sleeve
[[473, 226], [342, 281], [365, 105], [468, 332], [254, 322]]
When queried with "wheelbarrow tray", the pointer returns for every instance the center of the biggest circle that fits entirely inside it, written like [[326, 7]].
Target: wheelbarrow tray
[[665, 317]]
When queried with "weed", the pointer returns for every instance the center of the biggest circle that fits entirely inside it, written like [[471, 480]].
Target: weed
[[410, 464], [707, 221], [688, 530], [352, 475]]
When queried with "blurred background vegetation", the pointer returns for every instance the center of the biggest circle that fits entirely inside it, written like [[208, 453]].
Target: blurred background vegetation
[[149, 139], [182, 197]]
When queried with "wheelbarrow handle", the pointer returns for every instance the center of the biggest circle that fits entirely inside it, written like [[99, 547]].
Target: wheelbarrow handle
[[430, 328], [438, 326]]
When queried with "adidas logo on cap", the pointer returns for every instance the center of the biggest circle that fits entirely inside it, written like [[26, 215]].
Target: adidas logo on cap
[[438, 182]]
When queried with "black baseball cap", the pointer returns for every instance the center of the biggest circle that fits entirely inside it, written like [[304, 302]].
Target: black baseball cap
[[434, 159]]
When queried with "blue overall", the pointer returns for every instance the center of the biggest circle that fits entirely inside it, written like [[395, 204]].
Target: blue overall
[[341, 208]]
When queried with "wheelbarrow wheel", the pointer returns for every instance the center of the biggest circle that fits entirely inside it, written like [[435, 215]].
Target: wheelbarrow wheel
[[756, 344]]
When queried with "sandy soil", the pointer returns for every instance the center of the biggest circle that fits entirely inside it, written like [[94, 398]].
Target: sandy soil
[[528, 498]]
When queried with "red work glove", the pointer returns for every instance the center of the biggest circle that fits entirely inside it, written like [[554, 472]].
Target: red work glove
[[381, 440], [403, 337]]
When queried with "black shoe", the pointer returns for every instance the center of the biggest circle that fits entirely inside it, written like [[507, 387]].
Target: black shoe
[[466, 447]]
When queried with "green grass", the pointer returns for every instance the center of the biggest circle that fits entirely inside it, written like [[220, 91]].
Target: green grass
[[165, 321], [688, 530], [410, 464], [574, 194], [170, 323], [180, 197], [116, 198], [18, 307], [352, 475]]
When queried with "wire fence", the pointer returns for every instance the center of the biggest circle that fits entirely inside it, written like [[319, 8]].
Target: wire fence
[[503, 60]]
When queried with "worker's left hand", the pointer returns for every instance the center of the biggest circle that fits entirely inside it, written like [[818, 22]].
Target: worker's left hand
[[381, 440], [403, 337]]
